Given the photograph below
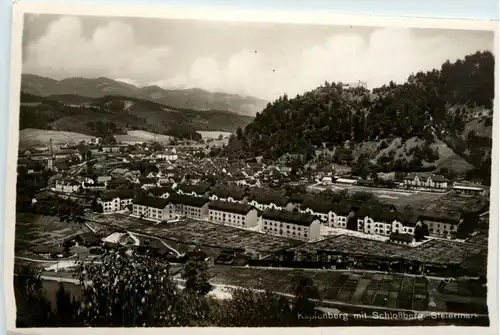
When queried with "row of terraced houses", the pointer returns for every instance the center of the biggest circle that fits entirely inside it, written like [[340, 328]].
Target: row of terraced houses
[[288, 220]]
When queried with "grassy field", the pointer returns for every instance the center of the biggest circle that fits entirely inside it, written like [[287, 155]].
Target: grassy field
[[419, 201], [453, 202], [213, 134], [33, 230], [32, 137], [371, 289], [134, 136], [399, 198], [195, 232]]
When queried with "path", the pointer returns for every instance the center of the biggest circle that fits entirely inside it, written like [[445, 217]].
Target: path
[[78, 168], [341, 270], [159, 239]]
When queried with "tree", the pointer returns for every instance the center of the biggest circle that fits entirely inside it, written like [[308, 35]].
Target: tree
[[363, 196], [33, 309], [196, 276], [248, 308], [109, 139], [99, 208], [125, 289], [66, 308], [469, 224], [239, 134], [305, 292], [419, 234], [128, 290], [334, 116]]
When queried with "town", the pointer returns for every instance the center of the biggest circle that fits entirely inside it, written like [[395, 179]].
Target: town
[[252, 177], [183, 200]]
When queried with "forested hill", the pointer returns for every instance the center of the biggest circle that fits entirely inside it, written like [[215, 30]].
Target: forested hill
[[120, 114], [430, 109]]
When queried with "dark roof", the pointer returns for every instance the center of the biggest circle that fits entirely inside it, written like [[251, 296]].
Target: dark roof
[[187, 200], [341, 208], [410, 176], [232, 207], [317, 206], [409, 220], [401, 237], [39, 154], [22, 161], [379, 213], [151, 202], [451, 218], [255, 166], [366, 182], [298, 198], [196, 254], [290, 217], [34, 165], [158, 191], [225, 191], [434, 177], [198, 188], [98, 184], [117, 181], [62, 166], [67, 152], [438, 178], [147, 181], [274, 198], [117, 194]]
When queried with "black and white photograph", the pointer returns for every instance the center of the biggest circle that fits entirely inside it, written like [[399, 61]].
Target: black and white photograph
[[189, 172]]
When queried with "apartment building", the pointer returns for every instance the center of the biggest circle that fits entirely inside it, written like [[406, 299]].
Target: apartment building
[[425, 181], [233, 213], [382, 220], [340, 214], [115, 201], [153, 208], [69, 186], [299, 226], [189, 206], [441, 224]]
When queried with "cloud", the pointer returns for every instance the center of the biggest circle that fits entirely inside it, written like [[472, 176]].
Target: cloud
[[387, 54], [111, 50]]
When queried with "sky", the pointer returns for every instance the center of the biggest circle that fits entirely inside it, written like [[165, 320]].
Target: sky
[[264, 60]]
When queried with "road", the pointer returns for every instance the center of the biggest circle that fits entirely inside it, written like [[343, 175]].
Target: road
[[77, 168], [159, 239]]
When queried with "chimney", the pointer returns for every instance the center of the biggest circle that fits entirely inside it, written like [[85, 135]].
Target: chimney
[[51, 149]]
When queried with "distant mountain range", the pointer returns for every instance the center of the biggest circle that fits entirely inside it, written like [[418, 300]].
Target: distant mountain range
[[91, 88], [120, 114]]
